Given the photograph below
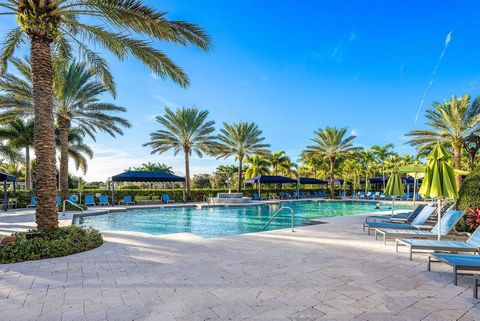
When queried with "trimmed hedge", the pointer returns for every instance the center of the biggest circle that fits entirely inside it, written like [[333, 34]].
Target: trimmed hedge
[[35, 245], [469, 194], [468, 198], [198, 195]]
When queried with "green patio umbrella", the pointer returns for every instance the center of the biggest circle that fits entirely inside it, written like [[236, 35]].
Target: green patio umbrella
[[394, 186], [80, 188], [345, 184], [439, 180]]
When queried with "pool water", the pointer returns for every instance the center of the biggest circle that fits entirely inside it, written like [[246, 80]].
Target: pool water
[[221, 221]]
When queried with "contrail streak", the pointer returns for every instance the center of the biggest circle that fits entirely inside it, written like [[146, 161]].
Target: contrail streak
[[448, 38]]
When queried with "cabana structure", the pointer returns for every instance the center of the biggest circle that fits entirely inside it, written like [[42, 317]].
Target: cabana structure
[[310, 181], [143, 176], [267, 179], [5, 178]]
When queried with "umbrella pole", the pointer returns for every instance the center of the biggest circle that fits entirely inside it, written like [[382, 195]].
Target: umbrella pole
[[414, 190], [439, 207]]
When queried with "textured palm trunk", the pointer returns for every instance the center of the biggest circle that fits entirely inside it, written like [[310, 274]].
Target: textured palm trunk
[[332, 178], [28, 169], [240, 164], [63, 126], [187, 173], [457, 159], [44, 138]]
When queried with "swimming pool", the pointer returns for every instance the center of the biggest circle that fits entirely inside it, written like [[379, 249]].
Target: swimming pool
[[221, 221]]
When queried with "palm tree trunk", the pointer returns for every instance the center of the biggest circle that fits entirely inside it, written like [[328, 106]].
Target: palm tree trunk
[[332, 178], [28, 170], [44, 138], [63, 126], [187, 173], [457, 159], [240, 164]]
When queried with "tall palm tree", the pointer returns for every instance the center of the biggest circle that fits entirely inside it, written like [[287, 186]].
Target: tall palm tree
[[78, 151], [278, 161], [289, 168], [53, 28], [186, 130], [331, 143], [449, 123], [240, 140], [257, 165], [382, 153], [19, 134], [77, 100]]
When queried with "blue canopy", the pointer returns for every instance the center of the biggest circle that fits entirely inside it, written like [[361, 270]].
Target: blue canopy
[[7, 177], [405, 179], [309, 180], [266, 179], [143, 176]]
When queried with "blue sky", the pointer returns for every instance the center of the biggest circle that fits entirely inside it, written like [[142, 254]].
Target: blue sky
[[296, 66]]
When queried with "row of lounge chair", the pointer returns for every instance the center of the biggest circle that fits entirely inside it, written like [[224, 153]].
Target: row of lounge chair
[[378, 196], [412, 230], [294, 195], [103, 200]]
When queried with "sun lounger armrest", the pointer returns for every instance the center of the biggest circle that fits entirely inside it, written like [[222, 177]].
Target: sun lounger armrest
[[422, 227]]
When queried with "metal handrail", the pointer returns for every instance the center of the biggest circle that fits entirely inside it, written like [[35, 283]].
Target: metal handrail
[[272, 196], [76, 205], [276, 213]]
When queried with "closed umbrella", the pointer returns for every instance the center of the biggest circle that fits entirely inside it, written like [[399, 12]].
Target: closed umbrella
[[439, 180], [394, 186], [345, 185]]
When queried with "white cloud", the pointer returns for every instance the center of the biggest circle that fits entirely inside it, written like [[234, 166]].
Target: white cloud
[[354, 132], [165, 101]]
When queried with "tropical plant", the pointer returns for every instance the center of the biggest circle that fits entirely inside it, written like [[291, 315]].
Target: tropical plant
[[289, 168], [257, 165], [153, 167], [77, 100], [240, 140], [382, 153], [449, 123], [331, 144], [186, 130], [19, 135], [52, 27], [278, 161], [77, 150]]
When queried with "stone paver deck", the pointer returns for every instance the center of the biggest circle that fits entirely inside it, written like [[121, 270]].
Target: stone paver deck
[[316, 273]]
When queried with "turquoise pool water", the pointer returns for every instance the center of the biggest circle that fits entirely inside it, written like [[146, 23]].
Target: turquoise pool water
[[221, 221]]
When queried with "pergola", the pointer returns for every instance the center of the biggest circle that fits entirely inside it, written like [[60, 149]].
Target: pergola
[[269, 179], [310, 181], [143, 176], [7, 178]]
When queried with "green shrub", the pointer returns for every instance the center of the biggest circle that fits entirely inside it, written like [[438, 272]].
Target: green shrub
[[468, 198], [59, 242], [469, 194]]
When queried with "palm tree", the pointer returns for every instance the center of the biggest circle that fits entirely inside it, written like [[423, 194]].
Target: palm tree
[[186, 130], [154, 167], [53, 28], [289, 168], [278, 161], [77, 100], [19, 134], [78, 151], [257, 165], [240, 140], [382, 153], [449, 123], [331, 144]]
